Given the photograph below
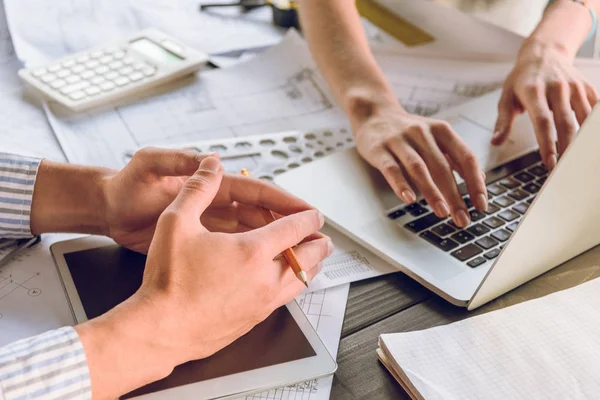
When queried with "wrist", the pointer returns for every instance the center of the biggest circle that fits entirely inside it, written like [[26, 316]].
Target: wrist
[[362, 104], [541, 47]]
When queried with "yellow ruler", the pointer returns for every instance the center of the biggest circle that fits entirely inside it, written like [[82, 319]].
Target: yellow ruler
[[392, 23]]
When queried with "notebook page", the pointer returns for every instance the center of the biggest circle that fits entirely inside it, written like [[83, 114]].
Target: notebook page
[[546, 348]]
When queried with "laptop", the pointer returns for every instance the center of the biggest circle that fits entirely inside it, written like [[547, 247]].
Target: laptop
[[536, 220]]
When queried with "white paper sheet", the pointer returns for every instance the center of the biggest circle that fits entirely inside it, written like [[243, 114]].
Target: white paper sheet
[[325, 310], [540, 349], [62, 27], [23, 125]]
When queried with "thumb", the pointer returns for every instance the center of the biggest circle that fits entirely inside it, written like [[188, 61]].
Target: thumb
[[200, 189], [506, 115]]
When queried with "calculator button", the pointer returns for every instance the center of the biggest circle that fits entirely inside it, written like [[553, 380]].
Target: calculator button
[[122, 81], [126, 70], [139, 66], [96, 54], [83, 58], [136, 76], [57, 84], [63, 73], [77, 95], [112, 75], [69, 63], [87, 74], [54, 68], [79, 86], [111, 49], [149, 71], [73, 79], [102, 69], [92, 90], [128, 60], [92, 64], [119, 54], [97, 79], [48, 78], [106, 86], [78, 68], [106, 59], [39, 72], [115, 64]]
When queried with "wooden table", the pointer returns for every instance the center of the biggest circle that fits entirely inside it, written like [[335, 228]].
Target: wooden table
[[396, 303]]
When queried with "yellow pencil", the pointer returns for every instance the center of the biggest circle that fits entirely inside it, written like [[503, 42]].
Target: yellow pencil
[[288, 254]]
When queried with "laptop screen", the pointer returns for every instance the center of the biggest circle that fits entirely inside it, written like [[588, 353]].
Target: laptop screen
[[106, 276]]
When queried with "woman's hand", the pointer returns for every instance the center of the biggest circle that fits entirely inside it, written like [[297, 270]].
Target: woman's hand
[[412, 150], [545, 83]]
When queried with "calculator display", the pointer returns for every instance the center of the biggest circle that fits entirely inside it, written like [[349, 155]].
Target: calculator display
[[152, 50]]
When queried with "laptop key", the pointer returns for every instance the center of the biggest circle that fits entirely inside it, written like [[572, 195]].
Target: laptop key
[[521, 208], [510, 183], [492, 209], [493, 222], [541, 181], [524, 177], [538, 170], [396, 214], [466, 252], [490, 255], [519, 194], [415, 210], [423, 202], [443, 230], [478, 230], [476, 262], [444, 244], [532, 188], [501, 235], [463, 237], [513, 226], [496, 189], [531, 200], [504, 201], [423, 223], [468, 202], [476, 215], [509, 215], [486, 242]]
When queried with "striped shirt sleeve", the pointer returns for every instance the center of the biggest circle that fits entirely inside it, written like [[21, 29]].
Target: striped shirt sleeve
[[17, 178], [48, 366]]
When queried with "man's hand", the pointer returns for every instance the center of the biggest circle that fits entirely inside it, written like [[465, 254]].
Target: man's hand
[[201, 290], [545, 83], [413, 150]]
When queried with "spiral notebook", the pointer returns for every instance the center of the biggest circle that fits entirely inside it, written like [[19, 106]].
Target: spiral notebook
[[546, 348]]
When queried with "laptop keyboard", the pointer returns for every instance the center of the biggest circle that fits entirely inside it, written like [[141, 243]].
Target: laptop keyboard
[[509, 198]]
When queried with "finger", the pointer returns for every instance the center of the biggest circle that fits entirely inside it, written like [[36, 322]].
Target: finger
[[169, 162], [258, 193], [507, 113], [311, 256], [420, 174], [559, 96], [385, 162], [199, 190], [535, 102], [288, 231], [467, 162], [580, 103], [592, 94]]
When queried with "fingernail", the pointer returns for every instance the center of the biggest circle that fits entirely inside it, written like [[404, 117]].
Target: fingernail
[[462, 218], [330, 248], [408, 196], [211, 164], [202, 156], [551, 161], [482, 203], [321, 219], [441, 209]]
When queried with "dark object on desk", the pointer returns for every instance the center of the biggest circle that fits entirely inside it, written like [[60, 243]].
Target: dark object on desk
[[285, 12]]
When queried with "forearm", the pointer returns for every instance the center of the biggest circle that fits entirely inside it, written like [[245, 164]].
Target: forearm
[[68, 198], [339, 45], [564, 26]]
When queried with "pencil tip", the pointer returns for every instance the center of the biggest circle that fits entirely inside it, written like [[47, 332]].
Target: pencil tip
[[302, 277]]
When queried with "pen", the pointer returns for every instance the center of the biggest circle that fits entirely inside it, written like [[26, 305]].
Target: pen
[[22, 245], [288, 254]]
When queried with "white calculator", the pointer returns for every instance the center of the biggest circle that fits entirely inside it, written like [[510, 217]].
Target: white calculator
[[106, 75]]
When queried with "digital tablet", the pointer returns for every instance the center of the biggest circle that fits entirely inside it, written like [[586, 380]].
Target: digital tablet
[[97, 275]]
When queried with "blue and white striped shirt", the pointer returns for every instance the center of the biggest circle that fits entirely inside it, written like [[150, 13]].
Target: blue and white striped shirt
[[51, 365]]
